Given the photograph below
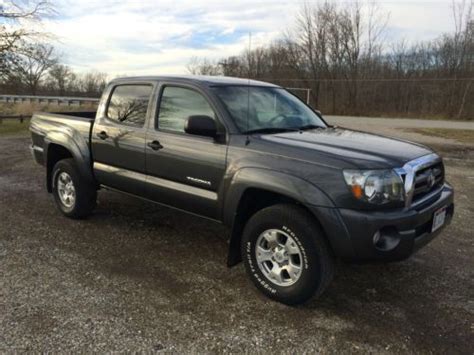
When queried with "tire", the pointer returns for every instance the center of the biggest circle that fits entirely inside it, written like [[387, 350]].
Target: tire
[[67, 182], [289, 226]]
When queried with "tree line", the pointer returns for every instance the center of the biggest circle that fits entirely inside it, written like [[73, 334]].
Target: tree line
[[337, 50], [340, 52], [29, 64]]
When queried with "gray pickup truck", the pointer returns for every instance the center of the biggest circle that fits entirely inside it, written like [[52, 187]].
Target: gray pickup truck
[[295, 192]]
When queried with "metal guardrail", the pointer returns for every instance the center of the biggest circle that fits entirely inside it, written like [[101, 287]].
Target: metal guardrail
[[59, 100]]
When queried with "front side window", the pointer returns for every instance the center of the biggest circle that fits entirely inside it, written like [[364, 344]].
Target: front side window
[[177, 104], [129, 103], [260, 108]]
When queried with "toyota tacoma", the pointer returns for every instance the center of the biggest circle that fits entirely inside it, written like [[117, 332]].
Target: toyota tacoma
[[295, 192]]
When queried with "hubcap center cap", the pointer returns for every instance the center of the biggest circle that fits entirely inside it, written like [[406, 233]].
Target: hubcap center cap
[[280, 255]]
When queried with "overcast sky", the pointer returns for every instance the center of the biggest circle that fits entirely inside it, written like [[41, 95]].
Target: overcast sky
[[160, 37]]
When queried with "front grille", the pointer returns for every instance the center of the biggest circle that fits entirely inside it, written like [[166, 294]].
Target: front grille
[[423, 178], [427, 180]]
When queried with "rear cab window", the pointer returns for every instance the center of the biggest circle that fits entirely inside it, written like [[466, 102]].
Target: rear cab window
[[129, 103]]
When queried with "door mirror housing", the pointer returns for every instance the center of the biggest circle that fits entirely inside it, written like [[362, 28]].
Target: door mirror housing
[[201, 125]]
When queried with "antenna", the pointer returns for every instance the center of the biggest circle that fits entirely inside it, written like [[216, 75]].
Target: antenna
[[247, 140]]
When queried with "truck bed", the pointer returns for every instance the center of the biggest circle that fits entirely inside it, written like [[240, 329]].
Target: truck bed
[[69, 127]]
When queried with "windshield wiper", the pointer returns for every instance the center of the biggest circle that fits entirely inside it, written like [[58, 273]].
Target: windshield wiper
[[270, 130], [309, 126]]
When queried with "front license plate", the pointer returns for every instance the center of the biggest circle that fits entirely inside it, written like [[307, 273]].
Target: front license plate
[[438, 219]]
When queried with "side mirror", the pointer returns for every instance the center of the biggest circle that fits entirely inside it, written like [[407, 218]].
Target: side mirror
[[201, 125]]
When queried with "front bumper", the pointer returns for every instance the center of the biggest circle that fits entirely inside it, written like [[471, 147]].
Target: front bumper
[[406, 230]]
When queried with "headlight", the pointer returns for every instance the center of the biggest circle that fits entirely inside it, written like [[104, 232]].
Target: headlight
[[375, 186]]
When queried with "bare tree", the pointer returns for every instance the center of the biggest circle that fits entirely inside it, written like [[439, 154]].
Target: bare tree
[[31, 65], [202, 66], [92, 84], [11, 12], [59, 78], [336, 50], [309, 42], [17, 20]]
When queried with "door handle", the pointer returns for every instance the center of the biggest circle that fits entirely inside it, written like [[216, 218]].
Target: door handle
[[155, 145], [102, 135]]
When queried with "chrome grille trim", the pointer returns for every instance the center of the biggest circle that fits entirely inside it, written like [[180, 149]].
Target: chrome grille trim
[[408, 173]]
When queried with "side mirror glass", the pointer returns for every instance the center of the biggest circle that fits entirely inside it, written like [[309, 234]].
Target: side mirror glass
[[201, 125]]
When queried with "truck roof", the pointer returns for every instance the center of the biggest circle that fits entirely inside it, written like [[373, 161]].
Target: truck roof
[[206, 80]]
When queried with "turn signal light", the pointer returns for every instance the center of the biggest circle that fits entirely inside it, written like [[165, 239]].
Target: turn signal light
[[357, 191]]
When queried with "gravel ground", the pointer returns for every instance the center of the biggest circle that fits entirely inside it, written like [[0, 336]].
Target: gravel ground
[[136, 276]]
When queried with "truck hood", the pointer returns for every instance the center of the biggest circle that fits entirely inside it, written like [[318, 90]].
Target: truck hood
[[351, 148]]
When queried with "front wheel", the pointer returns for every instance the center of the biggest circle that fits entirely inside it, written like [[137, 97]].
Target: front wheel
[[286, 255], [74, 197]]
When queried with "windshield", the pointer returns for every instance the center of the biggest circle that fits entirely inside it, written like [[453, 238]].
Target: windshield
[[269, 109]]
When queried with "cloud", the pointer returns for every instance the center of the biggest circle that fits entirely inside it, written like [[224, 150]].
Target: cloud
[[138, 37], [156, 37], [419, 20]]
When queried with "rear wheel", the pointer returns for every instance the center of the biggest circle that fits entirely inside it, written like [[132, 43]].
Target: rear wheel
[[286, 255], [74, 197]]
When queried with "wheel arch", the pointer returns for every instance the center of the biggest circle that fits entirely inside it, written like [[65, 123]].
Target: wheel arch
[[252, 189], [57, 150]]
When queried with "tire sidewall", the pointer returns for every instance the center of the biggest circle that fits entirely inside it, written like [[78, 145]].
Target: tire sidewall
[[309, 280]]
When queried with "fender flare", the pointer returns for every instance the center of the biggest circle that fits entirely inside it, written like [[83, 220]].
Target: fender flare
[[281, 183], [76, 145]]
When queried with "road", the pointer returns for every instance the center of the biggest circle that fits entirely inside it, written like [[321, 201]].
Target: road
[[139, 277]]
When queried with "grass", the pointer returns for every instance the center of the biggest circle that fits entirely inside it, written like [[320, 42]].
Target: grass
[[8, 127], [461, 135]]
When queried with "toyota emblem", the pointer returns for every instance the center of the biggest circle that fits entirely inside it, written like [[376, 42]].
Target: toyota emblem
[[431, 179]]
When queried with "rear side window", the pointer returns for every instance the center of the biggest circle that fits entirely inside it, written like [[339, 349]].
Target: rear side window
[[129, 103], [177, 104]]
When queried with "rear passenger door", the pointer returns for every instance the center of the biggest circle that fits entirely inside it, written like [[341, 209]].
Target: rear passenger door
[[118, 138], [184, 171]]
